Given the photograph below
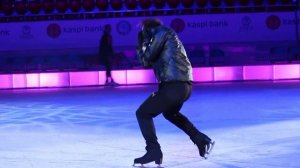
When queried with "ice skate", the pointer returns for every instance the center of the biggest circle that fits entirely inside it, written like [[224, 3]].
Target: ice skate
[[208, 148], [204, 144], [151, 156], [147, 166], [113, 83]]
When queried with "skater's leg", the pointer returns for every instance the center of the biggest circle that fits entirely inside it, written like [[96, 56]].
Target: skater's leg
[[169, 100], [182, 122], [152, 106], [202, 141], [108, 73], [173, 114], [163, 100], [108, 66]]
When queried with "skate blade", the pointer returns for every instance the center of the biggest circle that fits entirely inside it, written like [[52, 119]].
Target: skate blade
[[211, 147], [143, 166]]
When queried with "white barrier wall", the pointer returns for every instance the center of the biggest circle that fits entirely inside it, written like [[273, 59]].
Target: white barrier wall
[[133, 77]]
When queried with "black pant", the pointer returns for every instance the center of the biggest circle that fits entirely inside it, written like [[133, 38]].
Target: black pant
[[108, 70], [106, 60], [167, 100]]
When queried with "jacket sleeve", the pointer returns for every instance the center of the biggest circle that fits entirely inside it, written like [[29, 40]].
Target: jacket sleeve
[[151, 49]]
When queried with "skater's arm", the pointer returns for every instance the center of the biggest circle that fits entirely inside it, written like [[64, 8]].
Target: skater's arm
[[149, 50], [140, 49]]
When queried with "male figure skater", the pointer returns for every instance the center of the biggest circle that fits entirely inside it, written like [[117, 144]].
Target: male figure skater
[[160, 48], [106, 53]]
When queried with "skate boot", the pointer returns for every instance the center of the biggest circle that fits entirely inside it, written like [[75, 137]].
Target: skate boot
[[150, 156], [204, 144], [113, 83]]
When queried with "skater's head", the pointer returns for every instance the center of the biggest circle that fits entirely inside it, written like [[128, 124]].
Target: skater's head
[[151, 23], [107, 28]]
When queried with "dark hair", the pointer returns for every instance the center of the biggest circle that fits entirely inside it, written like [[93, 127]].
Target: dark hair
[[107, 26], [151, 23]]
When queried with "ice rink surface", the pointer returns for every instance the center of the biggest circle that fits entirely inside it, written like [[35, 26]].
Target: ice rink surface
[[254, 124]]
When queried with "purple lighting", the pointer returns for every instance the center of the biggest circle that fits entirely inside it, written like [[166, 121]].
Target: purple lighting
[[140, 76], [19, 81], [54, 79], [33, 80], [287, 71], [228, 73], [6, 81], [203, 74], [84, 78], [264, 72], [119, 77]]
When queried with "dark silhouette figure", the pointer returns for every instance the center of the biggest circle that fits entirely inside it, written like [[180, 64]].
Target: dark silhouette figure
[[106, 53]]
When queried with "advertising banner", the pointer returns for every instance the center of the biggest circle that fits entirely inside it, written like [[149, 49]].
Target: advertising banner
[[192, 29]]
